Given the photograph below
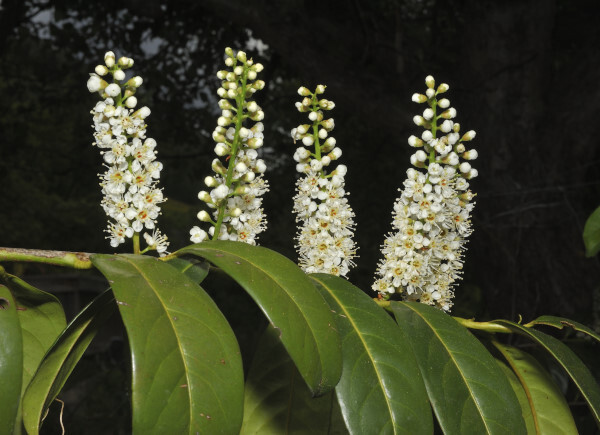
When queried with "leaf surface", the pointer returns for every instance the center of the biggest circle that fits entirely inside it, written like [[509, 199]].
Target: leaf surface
[[466, 387], [591, 234], [42, 320], [521, 396], [278, 401], [61, 359], [549, 409], [187, 370], [290, 302], [574, 367], [11, 361], [561, 322], [381, 390]]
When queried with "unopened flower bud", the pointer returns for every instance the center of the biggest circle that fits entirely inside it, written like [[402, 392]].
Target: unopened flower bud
[[421, 156], [261, 167], [322, 133], [320, 89], [112, 90], [449, 114], [430, 82], [464, 167], [303, 92], [210, 181], [101, 70], [460, 148], [238, 70], [443, 87], [444, 103], [446, 126], [203, 216], [204, 196], [218, 167], [131, 102], [313, 116], [135, 82], [228, 52], [241, 167], [470, 155], [325, 160], [472, 174], [109, 59], [241, 56], [469, 135], [419, 98], [248, 177], [428, 114], [235, 212], [119, 75], [427, 136], [419, 120], [414, 141], [95, 83], [308, 140], [430, 93], [221, 149]]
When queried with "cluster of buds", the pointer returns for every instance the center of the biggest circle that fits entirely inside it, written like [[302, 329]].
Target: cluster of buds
[[423, 258], [238, 184], [129, 185], [327, 222]]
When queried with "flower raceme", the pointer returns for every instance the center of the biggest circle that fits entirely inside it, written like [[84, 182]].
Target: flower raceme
[[131, 196], [327, 222], [423, 258], [238, 184]]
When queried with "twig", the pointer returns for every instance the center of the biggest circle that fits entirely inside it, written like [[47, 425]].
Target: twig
[[75, 260]]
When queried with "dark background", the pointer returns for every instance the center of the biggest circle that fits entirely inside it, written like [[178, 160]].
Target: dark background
[[522, 73]]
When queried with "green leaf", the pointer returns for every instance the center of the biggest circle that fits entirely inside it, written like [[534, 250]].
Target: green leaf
[[381, 389], [468, 391], [521, 396], [591, 234], [187, 369], [277, 400], [574, 367], [561, 322], [61, 359], [42, 320], [289, 300], [11, 361], [549, 409], [195, 269]]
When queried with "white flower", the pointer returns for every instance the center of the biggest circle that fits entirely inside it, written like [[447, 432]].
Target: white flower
[[129, 184], [238, 184], [324, 238], [422, 258]]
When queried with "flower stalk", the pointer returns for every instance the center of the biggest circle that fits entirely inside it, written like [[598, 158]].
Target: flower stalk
[[423, 258], [238, 183]]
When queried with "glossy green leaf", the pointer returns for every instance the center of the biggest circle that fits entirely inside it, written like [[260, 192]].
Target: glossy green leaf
[[549, 409], [574, 367], [278, 401], [61, 359], [187, 369], [468, 391], [381, 390], [42, 320], [11, 361], [591, 234], [289, 300], [521, 396], [195, 269], [561, 322]]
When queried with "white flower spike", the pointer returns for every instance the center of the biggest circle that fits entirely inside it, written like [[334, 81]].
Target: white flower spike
[[238, 184], [423, 258], [131, 196], [327, 222]]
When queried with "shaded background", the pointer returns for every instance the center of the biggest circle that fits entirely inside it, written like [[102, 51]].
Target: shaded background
[[522, 73]]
